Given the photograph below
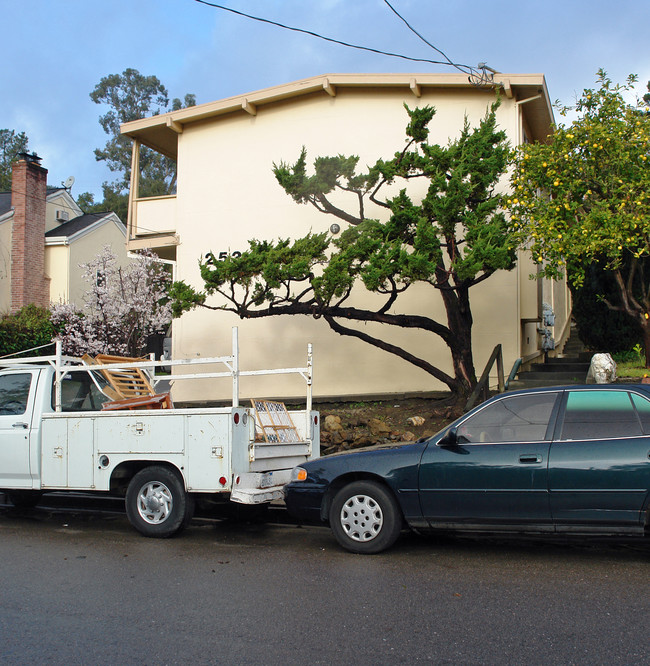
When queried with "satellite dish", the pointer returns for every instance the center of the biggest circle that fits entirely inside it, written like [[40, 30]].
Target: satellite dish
[[69, 182]]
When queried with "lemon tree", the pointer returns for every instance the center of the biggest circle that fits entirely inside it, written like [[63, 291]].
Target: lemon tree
[[584, 196]]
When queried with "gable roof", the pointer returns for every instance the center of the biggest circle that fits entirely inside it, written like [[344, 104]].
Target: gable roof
[[70, 231], [51, 194], [161, 132], [50, 189], [5, 202]]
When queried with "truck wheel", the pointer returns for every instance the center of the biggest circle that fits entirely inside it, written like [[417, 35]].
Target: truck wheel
[[157, 504], [25, 499], [365, 518]]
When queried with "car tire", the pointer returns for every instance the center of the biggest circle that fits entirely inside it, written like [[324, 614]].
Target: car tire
[[365, 517], [24, 499], [157, 504]]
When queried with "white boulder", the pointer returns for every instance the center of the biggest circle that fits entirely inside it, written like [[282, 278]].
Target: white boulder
[[602, 369]]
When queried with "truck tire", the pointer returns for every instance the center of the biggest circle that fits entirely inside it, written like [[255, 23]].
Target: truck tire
[[157, 504], [24, 499], [365, 517]]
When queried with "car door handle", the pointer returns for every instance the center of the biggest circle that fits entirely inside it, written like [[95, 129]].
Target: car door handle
[[530, 459], [20, 425]]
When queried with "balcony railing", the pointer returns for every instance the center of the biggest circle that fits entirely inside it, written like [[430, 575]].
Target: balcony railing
[[152, 223]]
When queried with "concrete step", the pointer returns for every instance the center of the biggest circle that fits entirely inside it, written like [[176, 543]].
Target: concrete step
[[566, 359], [559, 366], [527, 383], [557, 376], [517, 384]]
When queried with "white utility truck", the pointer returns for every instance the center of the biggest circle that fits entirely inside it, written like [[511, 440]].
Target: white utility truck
[[56, 436]]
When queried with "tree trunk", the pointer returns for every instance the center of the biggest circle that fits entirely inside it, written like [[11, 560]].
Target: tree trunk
[[459, 321]]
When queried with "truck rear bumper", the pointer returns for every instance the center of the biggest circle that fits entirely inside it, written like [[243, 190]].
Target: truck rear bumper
[[260, 487]]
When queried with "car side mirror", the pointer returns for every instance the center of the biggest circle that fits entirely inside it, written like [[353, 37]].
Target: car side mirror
[[449, 439]]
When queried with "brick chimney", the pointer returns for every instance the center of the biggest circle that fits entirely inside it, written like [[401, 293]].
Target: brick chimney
[[28, 193]]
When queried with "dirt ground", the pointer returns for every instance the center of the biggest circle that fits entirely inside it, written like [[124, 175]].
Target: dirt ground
[[373, 422]]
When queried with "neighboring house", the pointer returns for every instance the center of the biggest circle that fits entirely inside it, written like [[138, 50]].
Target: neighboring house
[[227, 195], [44, 237]]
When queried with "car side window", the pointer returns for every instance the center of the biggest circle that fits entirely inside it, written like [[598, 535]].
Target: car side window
[[14, 392], [520, 418], [600, 414]]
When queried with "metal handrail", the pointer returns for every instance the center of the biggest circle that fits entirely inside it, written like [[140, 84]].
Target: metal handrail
[[515, 369], [482, 387]]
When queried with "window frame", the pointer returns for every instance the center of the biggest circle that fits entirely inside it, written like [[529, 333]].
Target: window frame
[[550, 427], [14, 375], [563, 411], [93, 390]]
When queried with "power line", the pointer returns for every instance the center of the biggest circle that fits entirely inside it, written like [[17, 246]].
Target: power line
[[463, 68]]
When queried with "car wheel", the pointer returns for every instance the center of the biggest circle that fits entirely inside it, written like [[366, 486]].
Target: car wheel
[[25, 499], [365, 517], [157, 504]]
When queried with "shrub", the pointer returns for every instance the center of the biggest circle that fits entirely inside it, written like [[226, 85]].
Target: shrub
[[600, 328], [28, 328]]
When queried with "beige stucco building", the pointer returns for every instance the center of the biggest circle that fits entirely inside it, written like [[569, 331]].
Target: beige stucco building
[[227, 194], [44, 237]]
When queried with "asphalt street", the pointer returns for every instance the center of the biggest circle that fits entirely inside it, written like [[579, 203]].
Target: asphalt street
[[82, 587]]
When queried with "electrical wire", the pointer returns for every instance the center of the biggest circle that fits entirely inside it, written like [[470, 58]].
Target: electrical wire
[[463, 68]]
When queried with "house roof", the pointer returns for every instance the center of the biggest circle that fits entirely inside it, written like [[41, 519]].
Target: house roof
[[69, 231], [5, 198], [5, 202], [161, 132]]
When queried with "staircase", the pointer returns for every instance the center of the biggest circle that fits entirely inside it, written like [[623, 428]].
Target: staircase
[[570, 367]]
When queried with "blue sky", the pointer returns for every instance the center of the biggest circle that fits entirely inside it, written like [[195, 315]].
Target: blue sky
[[56, 51]]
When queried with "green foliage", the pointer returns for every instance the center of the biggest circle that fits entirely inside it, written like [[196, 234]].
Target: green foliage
[[11, 143], [113, 200], [595, 205], [183, 298], [596, 181], [629, 356], [452, 238], [131, 96], [599, 327], [28, 328]]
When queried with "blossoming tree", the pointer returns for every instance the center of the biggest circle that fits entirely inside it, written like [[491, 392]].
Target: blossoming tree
[[122, 307]]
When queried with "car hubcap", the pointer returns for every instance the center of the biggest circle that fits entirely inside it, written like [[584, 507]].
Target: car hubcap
[[154, 502], [361, 518]]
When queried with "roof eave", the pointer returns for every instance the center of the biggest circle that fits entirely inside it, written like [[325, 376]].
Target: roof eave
[[161, 132]]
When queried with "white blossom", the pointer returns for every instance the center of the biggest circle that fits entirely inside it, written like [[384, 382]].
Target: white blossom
[[122, 307]]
